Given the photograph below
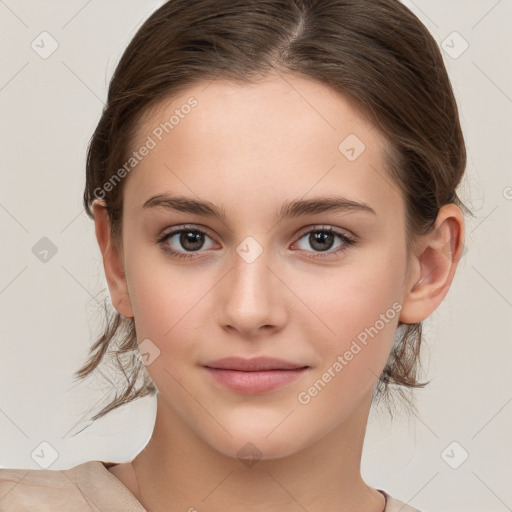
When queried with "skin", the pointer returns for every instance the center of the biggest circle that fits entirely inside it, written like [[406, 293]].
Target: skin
[[248, 149]]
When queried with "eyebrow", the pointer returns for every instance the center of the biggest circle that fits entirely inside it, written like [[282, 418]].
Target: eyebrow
[[289, 209]]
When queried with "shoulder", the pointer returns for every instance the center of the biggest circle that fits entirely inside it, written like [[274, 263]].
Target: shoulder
[[37, 490], [394, 505], [79, 489]]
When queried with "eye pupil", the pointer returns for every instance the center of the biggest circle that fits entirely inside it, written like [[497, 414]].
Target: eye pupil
[[325, 240], [191, 237]]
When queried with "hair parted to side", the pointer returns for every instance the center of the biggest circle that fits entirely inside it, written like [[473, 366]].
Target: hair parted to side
[[375, 52]]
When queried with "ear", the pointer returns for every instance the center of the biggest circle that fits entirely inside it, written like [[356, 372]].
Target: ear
[[112, 261], [433, 265]]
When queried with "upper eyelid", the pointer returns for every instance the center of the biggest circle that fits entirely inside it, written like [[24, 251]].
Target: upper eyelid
[[327, 227], [307, 229], [184, 227]]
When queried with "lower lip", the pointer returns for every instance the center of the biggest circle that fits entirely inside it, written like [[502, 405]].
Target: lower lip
[[253, 383]]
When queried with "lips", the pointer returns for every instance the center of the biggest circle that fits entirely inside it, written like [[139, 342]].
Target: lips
[[256, 364], [253, 376]]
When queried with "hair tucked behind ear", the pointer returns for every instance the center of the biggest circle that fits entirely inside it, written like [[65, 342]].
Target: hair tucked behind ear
[[375, 52]]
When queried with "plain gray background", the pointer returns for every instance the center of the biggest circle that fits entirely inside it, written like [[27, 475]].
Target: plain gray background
[[50, 314]]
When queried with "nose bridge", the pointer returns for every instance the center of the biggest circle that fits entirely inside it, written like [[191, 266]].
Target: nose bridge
[[250, 297]]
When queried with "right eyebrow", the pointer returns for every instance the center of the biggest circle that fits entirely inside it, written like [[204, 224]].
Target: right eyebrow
[[185, 204]]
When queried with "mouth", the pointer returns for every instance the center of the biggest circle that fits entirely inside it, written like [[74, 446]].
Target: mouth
[[254, 376]]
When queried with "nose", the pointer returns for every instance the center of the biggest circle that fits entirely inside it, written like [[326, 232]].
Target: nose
[[252, 299]]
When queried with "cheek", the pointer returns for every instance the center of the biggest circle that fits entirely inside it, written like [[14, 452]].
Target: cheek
[[169, 303], [356, 311], [351, 361]]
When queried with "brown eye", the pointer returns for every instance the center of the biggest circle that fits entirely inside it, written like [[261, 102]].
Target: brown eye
[[179, 242], [191, 240], [322, 240]]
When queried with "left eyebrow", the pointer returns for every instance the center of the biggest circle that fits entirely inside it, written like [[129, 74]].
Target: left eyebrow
[[321, 205], [289, 209]]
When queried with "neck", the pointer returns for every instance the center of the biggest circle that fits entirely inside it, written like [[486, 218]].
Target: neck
[[177, 467]]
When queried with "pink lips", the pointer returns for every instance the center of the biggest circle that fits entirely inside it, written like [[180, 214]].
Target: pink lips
[[253, 376]]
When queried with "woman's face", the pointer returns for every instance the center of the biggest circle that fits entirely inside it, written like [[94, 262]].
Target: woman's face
[[279, 162]]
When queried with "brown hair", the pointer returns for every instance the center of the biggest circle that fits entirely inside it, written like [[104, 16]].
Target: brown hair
[[375, 52]]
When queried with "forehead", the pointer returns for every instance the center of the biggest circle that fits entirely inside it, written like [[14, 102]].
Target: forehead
[[282, 136]]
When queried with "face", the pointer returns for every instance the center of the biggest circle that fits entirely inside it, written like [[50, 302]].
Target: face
[[297, 252]]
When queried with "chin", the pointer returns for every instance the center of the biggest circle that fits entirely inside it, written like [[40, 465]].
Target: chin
[[251, 450], [259, 442]]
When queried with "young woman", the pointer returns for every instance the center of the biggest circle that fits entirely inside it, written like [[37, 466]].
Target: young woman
[[273, 185]]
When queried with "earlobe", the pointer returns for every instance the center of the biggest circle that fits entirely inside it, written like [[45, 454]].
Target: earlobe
[[112, 261], [434, 266]]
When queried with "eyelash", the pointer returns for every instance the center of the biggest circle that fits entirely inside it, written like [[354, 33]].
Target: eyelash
[[347, 242]]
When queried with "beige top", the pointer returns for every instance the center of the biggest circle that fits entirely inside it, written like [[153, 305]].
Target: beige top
[[88, 487]]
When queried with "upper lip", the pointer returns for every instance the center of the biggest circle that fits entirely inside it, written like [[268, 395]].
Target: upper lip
[[253, 365]]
